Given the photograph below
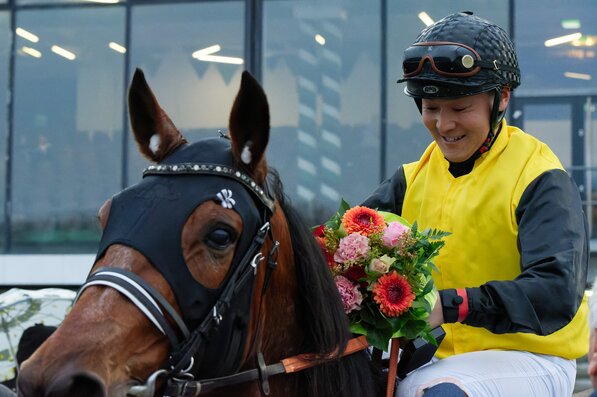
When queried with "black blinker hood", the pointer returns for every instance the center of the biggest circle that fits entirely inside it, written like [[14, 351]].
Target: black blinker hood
[[150, 216]]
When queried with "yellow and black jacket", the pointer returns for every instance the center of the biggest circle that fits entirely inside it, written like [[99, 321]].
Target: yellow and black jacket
[[519, 245]]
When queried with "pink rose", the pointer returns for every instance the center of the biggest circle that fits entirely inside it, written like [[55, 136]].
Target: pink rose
[[392, 233], [349, 293], [352, 248]]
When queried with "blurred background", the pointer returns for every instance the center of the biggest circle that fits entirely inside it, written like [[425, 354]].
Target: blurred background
[[340, 123]]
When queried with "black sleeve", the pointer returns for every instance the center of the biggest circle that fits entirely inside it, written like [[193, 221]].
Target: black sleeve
[[554, 252], [389, 195]]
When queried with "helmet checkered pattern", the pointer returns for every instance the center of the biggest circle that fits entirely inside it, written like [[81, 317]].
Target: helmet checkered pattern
[[489, 40]]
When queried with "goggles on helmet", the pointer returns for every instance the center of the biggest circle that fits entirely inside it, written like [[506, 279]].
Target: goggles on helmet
[[446, 59]]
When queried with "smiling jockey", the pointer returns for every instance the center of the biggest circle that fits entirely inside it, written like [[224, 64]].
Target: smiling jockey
[[512, 274]]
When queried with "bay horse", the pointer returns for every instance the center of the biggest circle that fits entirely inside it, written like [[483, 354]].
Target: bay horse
[[206, 281]]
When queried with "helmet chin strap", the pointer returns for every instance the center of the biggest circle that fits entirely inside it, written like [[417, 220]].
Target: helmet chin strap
[[419, 103], [495, 121], [496, 116]]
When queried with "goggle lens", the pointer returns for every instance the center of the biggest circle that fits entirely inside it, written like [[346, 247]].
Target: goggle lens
[[448, 59]]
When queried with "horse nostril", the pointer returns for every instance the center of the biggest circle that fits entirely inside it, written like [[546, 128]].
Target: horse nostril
[[77, 385]]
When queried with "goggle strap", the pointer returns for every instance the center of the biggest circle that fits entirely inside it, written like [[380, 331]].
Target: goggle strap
[[493, 65]]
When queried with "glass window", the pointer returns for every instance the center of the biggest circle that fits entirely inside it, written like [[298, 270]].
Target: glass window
[[68, 116], [407, 137], [591, 157], [551, 123], [5, 39], [34, 2], [195, 89], [567, 68], [322, 78]]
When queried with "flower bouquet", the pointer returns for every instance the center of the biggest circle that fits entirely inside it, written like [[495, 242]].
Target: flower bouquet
[[382, 268]]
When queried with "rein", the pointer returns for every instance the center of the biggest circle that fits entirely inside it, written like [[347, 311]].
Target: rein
[[190, 388]]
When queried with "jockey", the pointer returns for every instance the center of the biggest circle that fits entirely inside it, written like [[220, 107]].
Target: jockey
[[512, 274]]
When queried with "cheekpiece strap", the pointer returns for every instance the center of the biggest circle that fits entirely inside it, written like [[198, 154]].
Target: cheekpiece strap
[[212, 169]]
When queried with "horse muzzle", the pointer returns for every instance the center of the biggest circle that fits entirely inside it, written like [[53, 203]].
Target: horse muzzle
[[80, 383]]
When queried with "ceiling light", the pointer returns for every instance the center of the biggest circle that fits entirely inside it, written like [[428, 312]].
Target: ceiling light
[[103, 1], [562, 39], [207, 51], [117, 47], [31, 51], [320, 39], [570, 23], [580, 76], [205, 54], [220, 59], [423, 16], [63, 53], [585, 41], [26, 35]]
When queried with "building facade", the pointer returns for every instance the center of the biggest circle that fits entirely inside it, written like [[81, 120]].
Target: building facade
[[340, 123]]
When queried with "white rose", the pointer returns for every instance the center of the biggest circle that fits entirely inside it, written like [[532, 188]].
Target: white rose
[[381, 265]]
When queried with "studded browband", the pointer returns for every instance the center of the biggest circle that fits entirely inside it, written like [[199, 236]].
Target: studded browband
[[212, 169]]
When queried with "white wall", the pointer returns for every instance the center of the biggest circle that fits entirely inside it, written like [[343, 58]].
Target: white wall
[[44, 270]]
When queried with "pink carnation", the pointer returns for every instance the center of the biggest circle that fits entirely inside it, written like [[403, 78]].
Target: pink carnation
[[349, 293], [392, 234], [352, 248]]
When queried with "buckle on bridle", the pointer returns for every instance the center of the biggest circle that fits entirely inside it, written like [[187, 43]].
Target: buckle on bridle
[[256, 259], [216, 316], [148, 389]]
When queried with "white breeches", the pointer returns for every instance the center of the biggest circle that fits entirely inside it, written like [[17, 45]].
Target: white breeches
[[496, 373]]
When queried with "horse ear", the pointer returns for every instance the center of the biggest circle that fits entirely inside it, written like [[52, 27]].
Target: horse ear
[[249, 127], [154, 132]]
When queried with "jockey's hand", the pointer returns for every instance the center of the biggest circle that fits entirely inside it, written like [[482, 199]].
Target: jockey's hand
[[436, 318]]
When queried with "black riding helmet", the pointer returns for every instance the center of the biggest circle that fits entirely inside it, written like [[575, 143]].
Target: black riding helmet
[[460, 55]]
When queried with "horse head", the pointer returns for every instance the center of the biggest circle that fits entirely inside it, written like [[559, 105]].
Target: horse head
[[197, 274]]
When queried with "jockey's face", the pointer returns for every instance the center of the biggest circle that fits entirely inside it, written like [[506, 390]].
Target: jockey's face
[[460, 125]]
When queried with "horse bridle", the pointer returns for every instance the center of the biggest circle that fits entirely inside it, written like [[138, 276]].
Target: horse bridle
[[180, 383]]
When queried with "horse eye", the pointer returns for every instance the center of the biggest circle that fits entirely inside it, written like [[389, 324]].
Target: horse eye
[[220, 238]]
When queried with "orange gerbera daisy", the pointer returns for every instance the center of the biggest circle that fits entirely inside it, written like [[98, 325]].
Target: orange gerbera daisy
[[362, 220], [393, 294]]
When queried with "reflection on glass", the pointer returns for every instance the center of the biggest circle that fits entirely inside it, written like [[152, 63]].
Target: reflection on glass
[[322, 76], [407, 137], [4, 61], [67, 126], [187, 63], [567, 68], [551, 123]]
